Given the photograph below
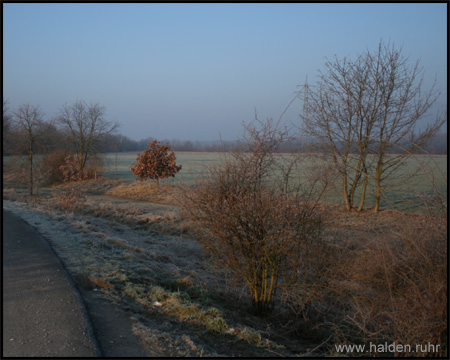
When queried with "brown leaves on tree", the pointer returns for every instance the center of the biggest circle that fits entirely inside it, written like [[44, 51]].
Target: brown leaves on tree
[[155, 163]]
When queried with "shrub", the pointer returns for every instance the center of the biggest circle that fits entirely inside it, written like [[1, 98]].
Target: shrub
[[71, 169], [155, 163], [250, 224], [52, 163]]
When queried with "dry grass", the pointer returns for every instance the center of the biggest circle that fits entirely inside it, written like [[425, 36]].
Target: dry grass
[[99, 186], [390, 283], [408, 275], [69, 200], [145, 191]]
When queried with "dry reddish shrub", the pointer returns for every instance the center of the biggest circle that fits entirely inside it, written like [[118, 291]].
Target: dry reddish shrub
[[155, 163], [52, 163], [71, 169]]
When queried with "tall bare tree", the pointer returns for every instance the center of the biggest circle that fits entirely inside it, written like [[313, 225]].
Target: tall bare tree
[[332, 114], [7, 124], [401, 105], [86, 126], [370, 106], [29, 129]]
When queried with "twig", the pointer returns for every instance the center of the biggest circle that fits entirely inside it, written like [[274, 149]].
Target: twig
[[320, 345], [276, 353]]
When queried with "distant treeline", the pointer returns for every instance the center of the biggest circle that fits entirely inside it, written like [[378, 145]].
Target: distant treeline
[[121, 143], [56, 139]]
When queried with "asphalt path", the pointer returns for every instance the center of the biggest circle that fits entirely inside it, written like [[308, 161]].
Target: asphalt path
[[43, 313]]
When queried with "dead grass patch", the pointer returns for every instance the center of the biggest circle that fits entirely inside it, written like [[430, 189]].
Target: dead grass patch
[[145, 191], [393, 286], [99, 186]]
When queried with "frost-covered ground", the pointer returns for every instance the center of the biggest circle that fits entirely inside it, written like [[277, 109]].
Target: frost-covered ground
[[132, 257]]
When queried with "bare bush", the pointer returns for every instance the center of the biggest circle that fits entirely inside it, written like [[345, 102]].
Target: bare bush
[[251, 224], [71, 170]]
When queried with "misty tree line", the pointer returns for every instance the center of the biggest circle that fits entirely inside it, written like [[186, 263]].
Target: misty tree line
[[50, 135], [54, 138]]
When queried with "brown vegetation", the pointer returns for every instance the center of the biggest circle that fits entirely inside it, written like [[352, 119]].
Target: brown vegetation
[[155, 163], [391, 283], [68, 200], [71, 170], [260, 228]]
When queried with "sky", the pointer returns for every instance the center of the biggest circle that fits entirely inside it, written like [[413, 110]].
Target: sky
[[198, 71]]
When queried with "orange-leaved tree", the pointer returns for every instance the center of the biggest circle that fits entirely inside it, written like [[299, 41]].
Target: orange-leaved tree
[[155, 163]]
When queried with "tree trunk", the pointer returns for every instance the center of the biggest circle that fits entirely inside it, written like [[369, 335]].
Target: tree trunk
[[378, 190], [30, 159], [348, 204], [363, 195], [355, 181]]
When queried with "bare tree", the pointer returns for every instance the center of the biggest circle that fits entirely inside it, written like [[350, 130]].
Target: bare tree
[[371, 105], [332, 114], [400, 107], [7, 124], [30, 128], [86, 126]]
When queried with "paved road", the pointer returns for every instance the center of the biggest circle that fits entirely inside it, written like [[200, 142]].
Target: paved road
[[43, 313]]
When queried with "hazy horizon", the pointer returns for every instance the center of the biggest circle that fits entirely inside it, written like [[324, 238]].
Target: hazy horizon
[[197, 71]]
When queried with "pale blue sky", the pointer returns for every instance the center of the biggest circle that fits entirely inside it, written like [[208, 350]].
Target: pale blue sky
[[190, 71]]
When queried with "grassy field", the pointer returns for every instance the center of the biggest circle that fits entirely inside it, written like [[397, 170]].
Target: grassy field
[[409, 183], [117, 166], [404, 190]]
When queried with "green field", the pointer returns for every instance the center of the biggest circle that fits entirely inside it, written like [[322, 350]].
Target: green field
[[409, 183], [117, 166], [413, 180]]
